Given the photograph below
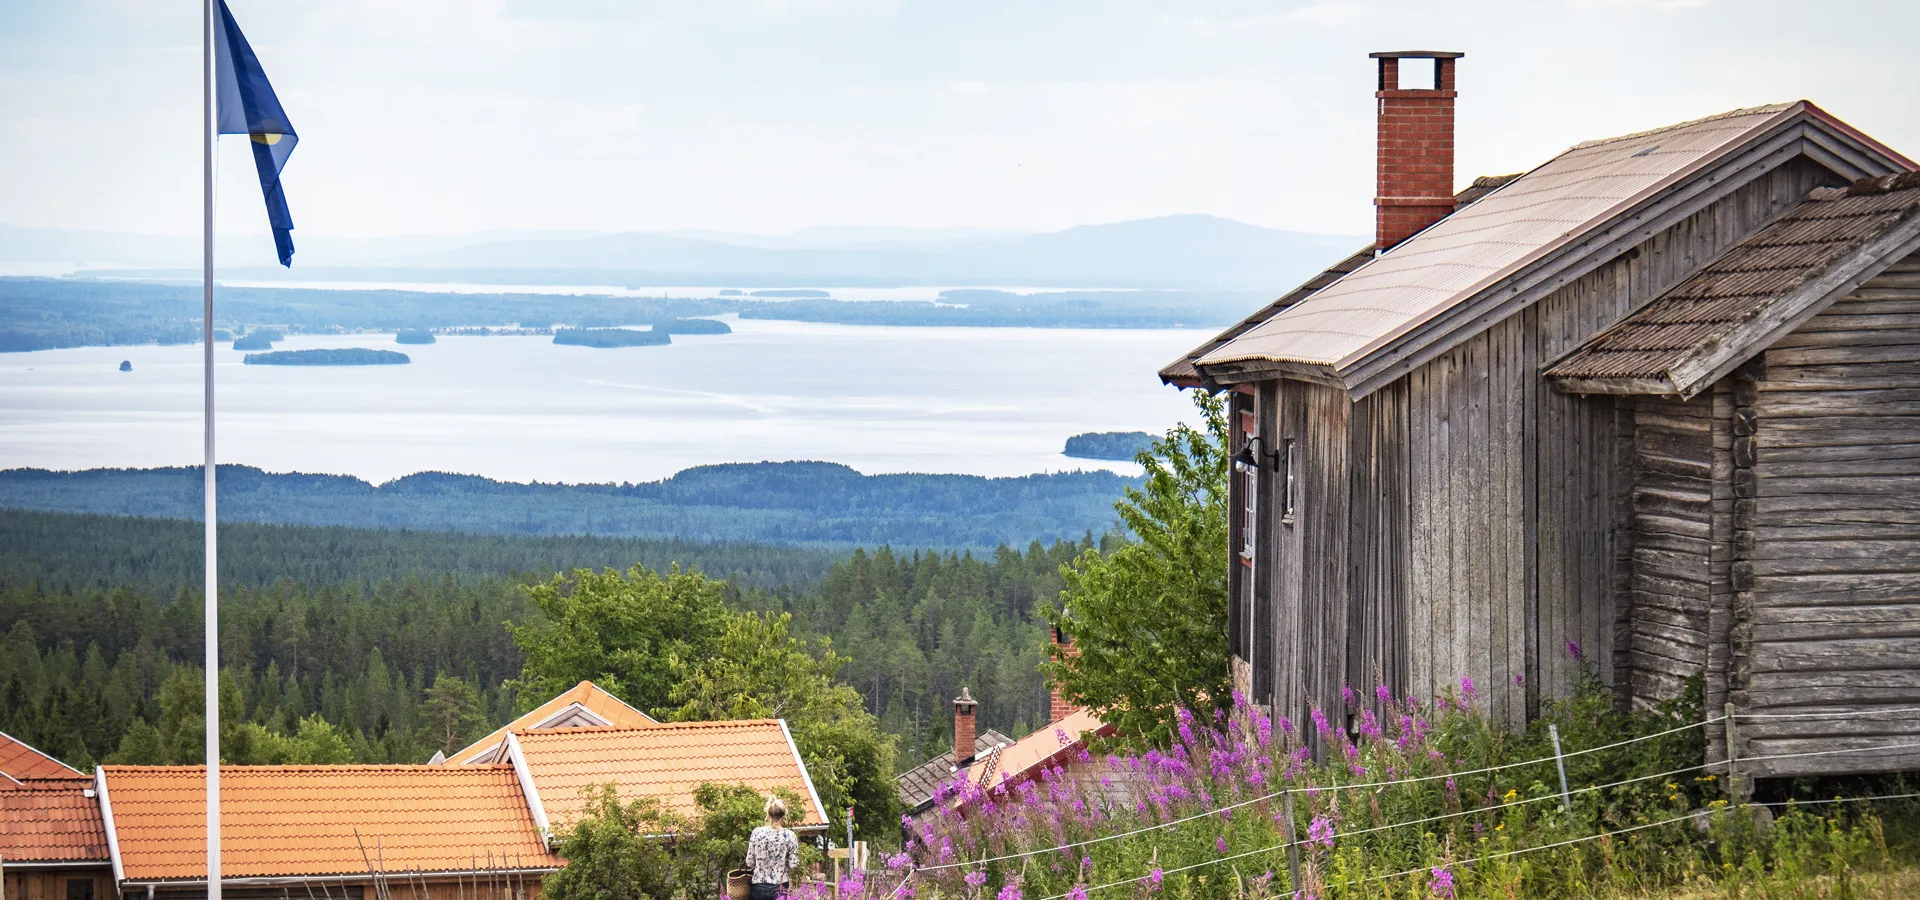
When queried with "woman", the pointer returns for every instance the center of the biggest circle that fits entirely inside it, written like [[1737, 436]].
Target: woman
[[773, 853]]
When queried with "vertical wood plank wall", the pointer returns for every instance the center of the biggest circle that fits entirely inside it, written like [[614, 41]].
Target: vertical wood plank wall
[[1468, 520], [51, 884], [1834, 572]]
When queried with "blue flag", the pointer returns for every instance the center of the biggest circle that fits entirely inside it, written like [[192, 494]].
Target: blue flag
[[247, 106]]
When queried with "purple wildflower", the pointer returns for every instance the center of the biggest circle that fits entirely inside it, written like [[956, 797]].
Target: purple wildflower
[[1220, 843], [976, 878], [1078, 893], [1320, 831], [899, 861], [1347, 694], [1441, 887], [1010, 892], [1519, 680], [1320, 721], [1385, 695], [1155, 877], [1466, 686], [1573, 650]]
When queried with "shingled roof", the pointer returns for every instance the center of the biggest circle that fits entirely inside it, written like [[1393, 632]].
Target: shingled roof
[[51, 820], [1767, 285], [1442, 286], [583, 705], [313, 820], [665, 761], [19, 762], [916, 786]]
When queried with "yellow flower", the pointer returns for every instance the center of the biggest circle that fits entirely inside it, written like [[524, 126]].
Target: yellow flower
[[1672, 787], [1511, 795], [1500, 827]]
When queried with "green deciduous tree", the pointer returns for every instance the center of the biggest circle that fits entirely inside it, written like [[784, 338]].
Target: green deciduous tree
[[760, 670], [620, 630], [1149, 618], [453, 714], [609, 854]]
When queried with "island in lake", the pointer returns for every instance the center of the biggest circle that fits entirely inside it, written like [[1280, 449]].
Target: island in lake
[[1108, 444], [258, 340], [693, 326], [338, 356], [413, 336], [126, 365], [610, 337], [793, 294]]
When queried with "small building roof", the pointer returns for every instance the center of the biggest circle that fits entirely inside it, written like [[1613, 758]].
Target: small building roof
[[582, 705], [1039, 750], [51, 820], [1428, 292], [666, 761], [1691, 336], [916, 786], [315, 820], [19, 762]]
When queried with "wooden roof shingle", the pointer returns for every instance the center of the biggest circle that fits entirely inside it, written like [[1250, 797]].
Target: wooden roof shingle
[[1689, 337]]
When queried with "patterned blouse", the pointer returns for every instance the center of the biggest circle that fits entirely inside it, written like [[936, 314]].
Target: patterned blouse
[[772, 853]]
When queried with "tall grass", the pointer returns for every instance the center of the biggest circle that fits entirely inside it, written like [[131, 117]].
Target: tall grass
[[1399, 805]]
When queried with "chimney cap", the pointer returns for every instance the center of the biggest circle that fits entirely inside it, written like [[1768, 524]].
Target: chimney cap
[[1415, 54], [965, 699]]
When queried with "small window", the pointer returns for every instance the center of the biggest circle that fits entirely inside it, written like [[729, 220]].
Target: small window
[[79, 889]]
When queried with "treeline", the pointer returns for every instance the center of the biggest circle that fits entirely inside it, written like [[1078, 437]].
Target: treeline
[[798, 503], [77, 553], [102, 638]]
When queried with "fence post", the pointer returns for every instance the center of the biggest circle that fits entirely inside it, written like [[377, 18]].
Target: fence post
[[1733, 775], [1560, 762], [1293, 844]]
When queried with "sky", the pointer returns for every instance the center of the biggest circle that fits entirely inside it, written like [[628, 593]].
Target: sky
[[768, 116]]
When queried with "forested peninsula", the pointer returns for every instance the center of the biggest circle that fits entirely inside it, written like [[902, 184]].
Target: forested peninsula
[[794, 503], [331, 356], [52, 313]]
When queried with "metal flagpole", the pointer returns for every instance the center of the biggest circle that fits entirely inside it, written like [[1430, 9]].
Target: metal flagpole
[[212, 595]]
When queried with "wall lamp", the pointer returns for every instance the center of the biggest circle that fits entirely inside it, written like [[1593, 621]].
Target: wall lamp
[[1248, 459]]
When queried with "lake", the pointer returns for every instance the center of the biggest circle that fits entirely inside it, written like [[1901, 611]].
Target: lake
[[984, 401]]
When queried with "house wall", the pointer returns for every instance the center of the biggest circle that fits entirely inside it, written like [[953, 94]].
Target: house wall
[[51, 884], [1827, 545], [1466, 520], [1672, 579]]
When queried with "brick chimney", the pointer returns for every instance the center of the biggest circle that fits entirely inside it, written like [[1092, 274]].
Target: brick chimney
[[1414, 187], [963, 732], [1060, 708]]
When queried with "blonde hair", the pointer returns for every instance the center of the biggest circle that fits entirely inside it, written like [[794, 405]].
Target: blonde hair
[[776, 809]]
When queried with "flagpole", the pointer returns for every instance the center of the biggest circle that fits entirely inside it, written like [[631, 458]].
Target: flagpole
[[212, 595]]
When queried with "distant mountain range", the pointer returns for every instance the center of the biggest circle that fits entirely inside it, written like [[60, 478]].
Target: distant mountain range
[[1175, 252]]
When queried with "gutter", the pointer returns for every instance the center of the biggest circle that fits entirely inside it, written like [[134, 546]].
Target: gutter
[[288, 880]]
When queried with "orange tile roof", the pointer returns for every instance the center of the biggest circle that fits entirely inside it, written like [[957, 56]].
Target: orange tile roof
[[19, 762], [47, 820], [590, 697], [666, 761], [1039, 748], [300, 820]]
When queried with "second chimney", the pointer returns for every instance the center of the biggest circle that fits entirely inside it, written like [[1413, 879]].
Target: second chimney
[[1060, 708], [1414, 187], [963, 707]]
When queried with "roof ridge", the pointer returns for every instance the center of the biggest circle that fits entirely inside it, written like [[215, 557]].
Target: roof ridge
[[658, 727], [1768, 109], [311, 767]]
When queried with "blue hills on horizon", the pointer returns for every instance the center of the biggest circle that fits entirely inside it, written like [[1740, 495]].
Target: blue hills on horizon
[[1188, 251], [785, 503]]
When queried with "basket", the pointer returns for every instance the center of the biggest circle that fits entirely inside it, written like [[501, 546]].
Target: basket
[[738, 883]]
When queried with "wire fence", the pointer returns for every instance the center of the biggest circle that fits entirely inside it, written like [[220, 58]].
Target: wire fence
[[1282, 846]]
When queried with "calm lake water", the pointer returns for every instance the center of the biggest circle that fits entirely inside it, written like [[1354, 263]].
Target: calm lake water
[[985, 401]]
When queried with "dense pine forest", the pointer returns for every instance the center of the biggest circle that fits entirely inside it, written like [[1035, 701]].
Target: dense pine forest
[[348, 645]]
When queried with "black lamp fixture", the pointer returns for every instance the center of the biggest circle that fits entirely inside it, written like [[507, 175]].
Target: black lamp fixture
[[1248, 459]]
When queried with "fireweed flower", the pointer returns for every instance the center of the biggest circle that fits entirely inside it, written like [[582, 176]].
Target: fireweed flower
[[1320, 721], [1320, 831], [1220, 844], [1010, 892], [1466, 686], [1078, 893], [1381, 691], [1155, 877], [1573, 650], [1441, 885], [1347, 694], [976, 878]]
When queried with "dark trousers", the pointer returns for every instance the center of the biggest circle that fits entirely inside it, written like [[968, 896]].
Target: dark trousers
[[763, 891]]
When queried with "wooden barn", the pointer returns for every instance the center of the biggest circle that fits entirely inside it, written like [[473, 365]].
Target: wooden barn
[[1652, 407]]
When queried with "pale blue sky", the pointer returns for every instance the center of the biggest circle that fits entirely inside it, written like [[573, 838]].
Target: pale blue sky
[[451, 116]]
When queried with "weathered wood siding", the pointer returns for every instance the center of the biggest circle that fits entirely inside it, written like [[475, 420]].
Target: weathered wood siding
[[51, 884], [1516, 490], [1309, 570], [1380, 555], [1830, 589], [1672, 545]]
